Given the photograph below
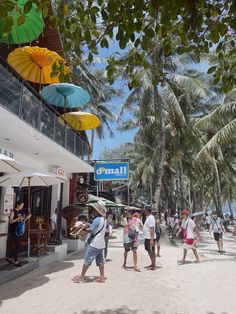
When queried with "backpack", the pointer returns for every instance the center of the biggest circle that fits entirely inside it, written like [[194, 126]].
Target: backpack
[[20, 228]]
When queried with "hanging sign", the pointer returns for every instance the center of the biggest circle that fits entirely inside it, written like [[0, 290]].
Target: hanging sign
[[83, 198], [60, 172], [111, 171]]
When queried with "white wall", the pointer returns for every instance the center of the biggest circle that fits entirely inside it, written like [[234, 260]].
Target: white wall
[[4, 212], [55, 197]]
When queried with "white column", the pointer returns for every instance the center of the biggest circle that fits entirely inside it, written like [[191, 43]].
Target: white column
[[66, 195], [55, 197], [6, 204]]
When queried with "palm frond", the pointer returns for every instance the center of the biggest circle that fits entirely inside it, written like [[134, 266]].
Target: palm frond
[[220, 115], [191, 84], [171, 101], [223, 137], [128, 125]]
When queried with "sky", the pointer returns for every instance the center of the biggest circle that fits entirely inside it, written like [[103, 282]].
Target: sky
[[120, 137]]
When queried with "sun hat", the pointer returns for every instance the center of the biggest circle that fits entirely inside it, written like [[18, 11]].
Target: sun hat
[[185, 212], [100, 207]]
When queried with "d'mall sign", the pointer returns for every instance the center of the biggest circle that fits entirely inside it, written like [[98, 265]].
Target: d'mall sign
[[111, 171]]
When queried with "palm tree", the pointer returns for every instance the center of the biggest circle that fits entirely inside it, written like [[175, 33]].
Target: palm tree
[[217, 129], [101, 93], [161, 105]]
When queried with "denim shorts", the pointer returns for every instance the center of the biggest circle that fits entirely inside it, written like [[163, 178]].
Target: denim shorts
[[93, 253], [133, 246]]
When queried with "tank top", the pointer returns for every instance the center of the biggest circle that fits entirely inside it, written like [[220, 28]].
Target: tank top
[[12, 227], [98, 241]]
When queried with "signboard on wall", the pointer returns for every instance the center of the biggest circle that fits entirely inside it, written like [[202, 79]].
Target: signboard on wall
[[8, 203], [58, 171], [111, 171]]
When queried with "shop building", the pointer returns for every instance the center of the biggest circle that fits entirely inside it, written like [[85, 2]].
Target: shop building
[[31, 133]]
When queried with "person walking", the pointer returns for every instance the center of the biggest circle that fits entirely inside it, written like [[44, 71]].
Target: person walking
[[96, 242], [16, 216], [139, 227], [208, 222], [158, 236], [149, 237], [130, 238], [107, 233], [189, 229], [217, 228]]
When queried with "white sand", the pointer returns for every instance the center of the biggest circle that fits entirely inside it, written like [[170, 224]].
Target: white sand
[[206, 288]]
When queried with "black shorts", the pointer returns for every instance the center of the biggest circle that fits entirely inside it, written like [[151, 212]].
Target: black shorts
[[148, 246], [158, 236], [217, 236], [130, 246]]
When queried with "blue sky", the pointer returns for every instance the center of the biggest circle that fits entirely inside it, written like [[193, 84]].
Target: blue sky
[[120, 137]]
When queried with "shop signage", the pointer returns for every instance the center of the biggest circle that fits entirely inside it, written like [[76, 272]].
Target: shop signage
[[83, 198], [6, 153], [60, 171], [111, 171]]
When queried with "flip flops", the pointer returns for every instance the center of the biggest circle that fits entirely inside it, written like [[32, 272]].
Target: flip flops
[[100, 280], [78, 279], [9, 261]]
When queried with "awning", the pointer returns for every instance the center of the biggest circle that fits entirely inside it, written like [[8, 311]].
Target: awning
[[94, 199], [133, 208]]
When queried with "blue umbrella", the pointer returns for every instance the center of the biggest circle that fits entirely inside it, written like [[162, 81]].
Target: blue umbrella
[[65, 95]]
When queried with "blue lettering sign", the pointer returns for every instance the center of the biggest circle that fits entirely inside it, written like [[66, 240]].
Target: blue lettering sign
[[111, 171]]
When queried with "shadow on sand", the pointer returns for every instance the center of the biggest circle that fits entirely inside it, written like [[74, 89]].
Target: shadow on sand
[[26, 283], [121, 310]]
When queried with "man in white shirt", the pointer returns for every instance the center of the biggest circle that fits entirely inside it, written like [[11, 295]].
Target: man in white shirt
[[95, 250], [189, 228], [217, 228], [150, 236]]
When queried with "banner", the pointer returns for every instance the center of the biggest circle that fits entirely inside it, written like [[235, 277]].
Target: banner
[[111, 171]]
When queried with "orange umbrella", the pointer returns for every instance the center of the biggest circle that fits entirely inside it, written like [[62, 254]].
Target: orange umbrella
[[34, 64]]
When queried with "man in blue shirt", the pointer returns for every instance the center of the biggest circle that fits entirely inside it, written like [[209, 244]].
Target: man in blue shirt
[[96, 242]]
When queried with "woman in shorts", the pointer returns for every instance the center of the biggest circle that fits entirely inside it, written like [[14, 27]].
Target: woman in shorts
[[130, 238]]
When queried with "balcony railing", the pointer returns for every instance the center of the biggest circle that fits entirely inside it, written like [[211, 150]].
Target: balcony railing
[[20, 98]]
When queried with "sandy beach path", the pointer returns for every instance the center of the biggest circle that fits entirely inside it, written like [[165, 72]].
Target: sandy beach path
[[206, 288]]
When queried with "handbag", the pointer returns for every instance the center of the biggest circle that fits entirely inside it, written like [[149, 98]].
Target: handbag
[[132, 234], [20, 229]]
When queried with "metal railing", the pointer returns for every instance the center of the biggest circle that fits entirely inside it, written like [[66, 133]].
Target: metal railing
[[18, 97]]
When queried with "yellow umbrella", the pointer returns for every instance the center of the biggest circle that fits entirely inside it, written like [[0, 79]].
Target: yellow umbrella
[[34, 64], [81, 121]]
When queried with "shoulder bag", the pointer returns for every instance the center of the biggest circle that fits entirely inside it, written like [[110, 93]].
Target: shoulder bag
[[93, 235]]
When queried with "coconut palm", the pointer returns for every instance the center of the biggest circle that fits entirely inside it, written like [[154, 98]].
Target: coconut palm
[[217, 130], [165, 105]]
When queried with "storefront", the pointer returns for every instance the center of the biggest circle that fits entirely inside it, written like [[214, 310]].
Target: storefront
[[34, 150]]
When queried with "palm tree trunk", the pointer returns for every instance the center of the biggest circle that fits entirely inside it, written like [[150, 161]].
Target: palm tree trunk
[[92, 142], [230, 209], [217, 189], [181, 183], [161, 151], [193, 195]]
